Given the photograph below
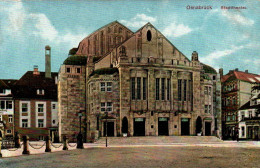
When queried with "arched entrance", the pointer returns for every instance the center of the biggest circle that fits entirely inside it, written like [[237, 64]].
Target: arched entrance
[[198, 125], [124, 125]]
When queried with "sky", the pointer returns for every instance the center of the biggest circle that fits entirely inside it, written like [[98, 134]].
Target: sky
[[225, 39]]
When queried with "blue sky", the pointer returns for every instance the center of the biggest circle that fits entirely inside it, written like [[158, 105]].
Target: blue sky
[[223, 38]]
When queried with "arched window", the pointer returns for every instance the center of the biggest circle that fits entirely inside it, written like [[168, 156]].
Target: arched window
[[149, 35]]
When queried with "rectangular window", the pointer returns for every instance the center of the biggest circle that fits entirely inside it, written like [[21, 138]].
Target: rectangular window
[[40, 123], [163, 88], [133, 88], [2, 105], [168, 89], [243, 131], [209, 90], [2, 91], [138, 88], [68, 70], [179, 89], [40, 108], [157, 88], [205, 90], [228, 118], [9, 105], [10, 118], [144, 88], [209, 108], [78, 70], [109, 86], [8, 131], [40, 91], [206, 108], [53, 106], [24, 107], [109, 106], [102, 86], [185, 90], [103, 106], [25, 123]]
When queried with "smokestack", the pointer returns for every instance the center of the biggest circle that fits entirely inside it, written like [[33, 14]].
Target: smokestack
[[221, 72], [246, 71], [35, 70], [47, 61], [236, 69]]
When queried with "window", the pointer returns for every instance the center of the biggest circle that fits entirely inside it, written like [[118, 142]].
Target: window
[[120, 30], [157, 88], [9, 105], [40, 91], [109, 86], [2, 91], [10, 118], [138, 96], [209, 108], [1, 118], [234, 101], [40, 108], [106, 106], [163, 88], [24, 107], [68, 70], [2, 105], [103, 86], [109, 106], [206, 108], [243, 131], [214, 77], [25, 123], [228, 118], [40, 123], [149, 35], [53, 121], [185, 90], [205, 90], [250, 114], [103, 106], [144, 88], [133, 88], [168, 89], [53, 106], [106, 86], [78, 70], [209, 90], [179, 89], [8, 131]]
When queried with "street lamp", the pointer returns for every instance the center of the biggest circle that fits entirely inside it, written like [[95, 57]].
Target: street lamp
[[106, 126], [79, 138]]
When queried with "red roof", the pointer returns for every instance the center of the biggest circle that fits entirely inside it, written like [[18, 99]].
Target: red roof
[[248, 77]]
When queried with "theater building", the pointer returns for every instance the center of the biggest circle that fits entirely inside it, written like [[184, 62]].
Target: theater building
[[137, 83]]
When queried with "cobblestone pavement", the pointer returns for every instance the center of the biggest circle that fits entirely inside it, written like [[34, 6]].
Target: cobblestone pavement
[[141, 157]]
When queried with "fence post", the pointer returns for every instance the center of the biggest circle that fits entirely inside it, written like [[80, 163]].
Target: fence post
[[17, 141], [26, 145], [48, 144], [65, 143], [1, 147]]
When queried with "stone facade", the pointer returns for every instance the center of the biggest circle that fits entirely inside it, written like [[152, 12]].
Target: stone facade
[[142, 86]]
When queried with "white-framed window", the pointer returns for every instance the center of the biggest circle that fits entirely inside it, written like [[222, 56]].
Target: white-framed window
[[40, 108], [10, 118], [106, 86], [9, 131], [109, 86], [40, 123], [108, 106], [25, 123], [9, 104], [24, 107], [40, 91], [53, 106], [102, 86]]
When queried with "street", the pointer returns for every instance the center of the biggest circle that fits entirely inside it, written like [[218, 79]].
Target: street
[[141, 157]]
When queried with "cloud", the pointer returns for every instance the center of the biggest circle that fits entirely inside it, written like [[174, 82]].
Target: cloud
[[138, 21], [237, 18], [210, 58], [176, 30]]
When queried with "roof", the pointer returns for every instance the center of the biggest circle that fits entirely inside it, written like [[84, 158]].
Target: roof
[[26, 87], [247, 106], [209, 69], [7, 83], [243, 76], [104, 71], [76, 60]]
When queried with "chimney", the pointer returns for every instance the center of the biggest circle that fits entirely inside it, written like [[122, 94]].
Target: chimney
[[47, 61], [246, 71], [221, 72], [236, 69], [35, 70]]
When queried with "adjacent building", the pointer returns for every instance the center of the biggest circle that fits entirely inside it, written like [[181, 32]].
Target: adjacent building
[[136, 83], [236, 91]]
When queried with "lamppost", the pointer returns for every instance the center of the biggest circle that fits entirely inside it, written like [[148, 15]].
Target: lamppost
[[106, 126], [79, 138]]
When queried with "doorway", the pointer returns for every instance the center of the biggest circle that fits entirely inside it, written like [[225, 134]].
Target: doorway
[[109, 129], [207, 128], [124, 125], [163, 128], [139, 127], [185, 126]]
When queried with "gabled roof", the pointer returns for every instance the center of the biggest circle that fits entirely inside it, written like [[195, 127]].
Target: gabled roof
[[26, 87], [7, 83], [243, 76]]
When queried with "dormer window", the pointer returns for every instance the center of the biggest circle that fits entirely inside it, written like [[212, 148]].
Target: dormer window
[[2, 91], [40, 91]]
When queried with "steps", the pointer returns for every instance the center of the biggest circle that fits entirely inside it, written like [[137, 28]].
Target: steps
[[153, 140]]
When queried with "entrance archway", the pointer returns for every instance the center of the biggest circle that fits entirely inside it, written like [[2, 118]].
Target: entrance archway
[[124, 125], [198, 125]]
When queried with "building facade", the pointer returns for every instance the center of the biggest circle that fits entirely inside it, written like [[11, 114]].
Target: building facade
[[138, 84], [236, 91], [36, 106]]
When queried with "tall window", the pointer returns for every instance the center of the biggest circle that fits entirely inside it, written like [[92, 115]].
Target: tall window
[[78, 70], [209, 108], [243, 131], [40, 108], [106, 106], [168, 89], [144, 88], [138, 88], [157, 84], [205, 90], [25, 123], [133, 88], [103, 86], [179, 89], [163, 88], [109, 86], [209, 90], [24, 107], [10, 118], [9, 105], [2, 105], [206, 108], [185, 90], [40, 123]]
